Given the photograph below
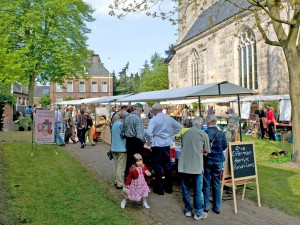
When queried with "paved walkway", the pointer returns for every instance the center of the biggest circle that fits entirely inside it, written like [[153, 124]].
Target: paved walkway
[[168, 209]]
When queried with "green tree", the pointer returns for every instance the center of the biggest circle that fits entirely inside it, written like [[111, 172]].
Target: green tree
[[47, 38], [284, 17], [45, 100], [155, 77]]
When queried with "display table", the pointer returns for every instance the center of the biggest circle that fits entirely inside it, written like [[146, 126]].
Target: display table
[[106, 134]]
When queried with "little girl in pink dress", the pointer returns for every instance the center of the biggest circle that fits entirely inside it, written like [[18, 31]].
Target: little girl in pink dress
[[135, 183]]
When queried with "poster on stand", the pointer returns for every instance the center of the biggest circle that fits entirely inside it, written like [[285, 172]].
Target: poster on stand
[[44, 126]]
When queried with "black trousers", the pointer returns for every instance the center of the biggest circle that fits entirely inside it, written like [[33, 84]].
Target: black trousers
[[162, 166], [262, 129], [133, 145], [271, 131]]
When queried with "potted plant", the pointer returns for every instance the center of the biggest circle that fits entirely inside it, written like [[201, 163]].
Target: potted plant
[[24, 122]]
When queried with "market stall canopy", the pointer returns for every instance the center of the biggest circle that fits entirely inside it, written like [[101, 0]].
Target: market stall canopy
[[179, 102], [211, 89], [264, 98], [109, 99], [219, 100], [79, 101]]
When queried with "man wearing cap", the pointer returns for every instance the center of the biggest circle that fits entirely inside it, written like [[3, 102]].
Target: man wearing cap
[[161, 129], [133, 131], [118, 147]]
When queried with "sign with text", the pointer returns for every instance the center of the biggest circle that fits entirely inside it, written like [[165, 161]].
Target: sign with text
[[44, 126], [240, 168], [243, 161]]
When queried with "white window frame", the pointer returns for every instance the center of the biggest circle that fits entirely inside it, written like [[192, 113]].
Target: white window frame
[[248, 74], [70, 86], [59, 88], [81, 86], [103, 86], [59, 99], [94, 86], [195, 68]]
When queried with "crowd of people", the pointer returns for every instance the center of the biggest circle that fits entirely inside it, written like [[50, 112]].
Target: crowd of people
[[199, 166], [141, 152], [267, 122]]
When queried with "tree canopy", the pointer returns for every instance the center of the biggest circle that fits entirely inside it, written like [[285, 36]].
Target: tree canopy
[[46, 38]]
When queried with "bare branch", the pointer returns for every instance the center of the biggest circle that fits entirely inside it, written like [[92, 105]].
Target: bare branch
[[273, 16], [261, 30]]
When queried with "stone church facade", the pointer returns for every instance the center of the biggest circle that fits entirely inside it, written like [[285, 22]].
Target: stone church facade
[[220, 42]]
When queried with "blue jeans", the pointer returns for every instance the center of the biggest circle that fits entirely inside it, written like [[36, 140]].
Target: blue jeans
[[212, 177], [194, 181], [57, 128]]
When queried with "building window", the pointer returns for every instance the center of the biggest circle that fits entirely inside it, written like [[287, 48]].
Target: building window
[[59, 99], [94, 86], [81, 86], [195, 68], [248, 61], [59, 88], [104, 87], [70, 86]]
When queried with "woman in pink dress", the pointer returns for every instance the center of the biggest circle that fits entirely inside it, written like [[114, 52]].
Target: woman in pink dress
[[135, 182]]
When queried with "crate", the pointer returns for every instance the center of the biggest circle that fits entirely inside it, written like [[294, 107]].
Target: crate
[[280, 159], [254, 134]]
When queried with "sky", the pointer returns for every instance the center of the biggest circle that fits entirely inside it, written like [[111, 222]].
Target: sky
[[133, 39]]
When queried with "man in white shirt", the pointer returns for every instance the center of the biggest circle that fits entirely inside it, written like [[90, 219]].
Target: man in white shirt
[[160, 132]]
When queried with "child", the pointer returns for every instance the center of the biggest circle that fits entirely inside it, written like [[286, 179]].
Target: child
[[135, 182]]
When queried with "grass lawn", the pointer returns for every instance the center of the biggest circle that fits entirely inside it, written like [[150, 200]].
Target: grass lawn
[[51, 189]]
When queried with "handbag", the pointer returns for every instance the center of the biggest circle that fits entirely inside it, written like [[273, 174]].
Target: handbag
[[110, 155]]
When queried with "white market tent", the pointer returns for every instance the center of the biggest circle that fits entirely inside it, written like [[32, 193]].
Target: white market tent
[[264, 98], [211, 89], [79, 101], [108, 99]]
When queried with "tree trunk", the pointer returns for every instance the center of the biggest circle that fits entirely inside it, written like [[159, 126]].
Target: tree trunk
[[293, 59], [31, 90]]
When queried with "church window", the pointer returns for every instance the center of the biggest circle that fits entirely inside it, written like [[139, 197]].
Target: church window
[[248, 61], [195, 68]]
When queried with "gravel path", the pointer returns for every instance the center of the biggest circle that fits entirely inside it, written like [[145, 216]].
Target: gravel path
[[168, 209]]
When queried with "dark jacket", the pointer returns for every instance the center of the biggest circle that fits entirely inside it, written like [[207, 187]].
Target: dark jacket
[[218, 146]]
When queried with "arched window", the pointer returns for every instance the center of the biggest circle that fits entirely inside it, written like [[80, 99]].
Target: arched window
[[195, 68], [248, 60]]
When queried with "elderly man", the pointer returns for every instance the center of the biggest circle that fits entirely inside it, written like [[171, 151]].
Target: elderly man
[[160, 131], [213, 164], [133, 131], [118, 148], [195, 144]]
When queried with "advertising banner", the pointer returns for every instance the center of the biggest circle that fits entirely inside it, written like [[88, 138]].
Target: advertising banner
[[44, 126]]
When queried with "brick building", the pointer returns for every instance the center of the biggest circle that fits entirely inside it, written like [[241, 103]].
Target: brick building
[[100, 84]]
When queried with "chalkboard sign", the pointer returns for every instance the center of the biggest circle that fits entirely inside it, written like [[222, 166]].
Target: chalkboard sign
[[243, 159], [240, 168]]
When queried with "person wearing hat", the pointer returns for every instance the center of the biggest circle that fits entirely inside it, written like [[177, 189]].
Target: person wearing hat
[[118, 147], [133, 131], [160, 131]]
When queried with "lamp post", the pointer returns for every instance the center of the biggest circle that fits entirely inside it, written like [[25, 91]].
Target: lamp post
[[108, 78]]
